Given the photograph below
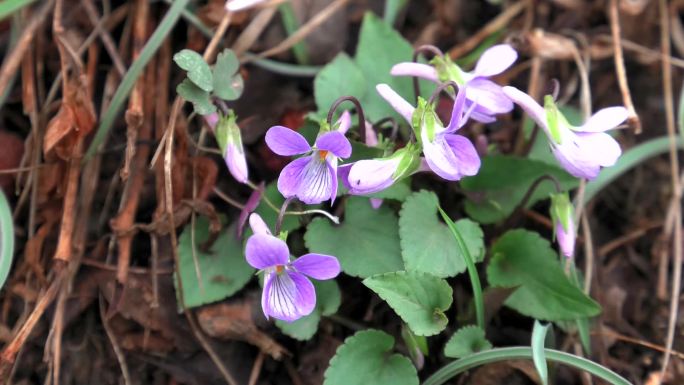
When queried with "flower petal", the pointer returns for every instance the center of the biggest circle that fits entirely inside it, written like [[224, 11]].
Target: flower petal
[[420, 70], [332, 172], [495, 60], [288, 296], [258, 225], [566, 240], [264, 251], [451, 157], [604, 119], [603, 148], [236, 162], [343, 174], [307, 178], [529, 105], [404, 108], [336, 143], [317, 266], [465, 152], [372, 175], [286, 142], [457, 111], [344, 122], [488, 94]]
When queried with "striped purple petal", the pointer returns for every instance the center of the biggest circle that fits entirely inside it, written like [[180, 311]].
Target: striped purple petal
[[286, 142], [287, 296], [263, 251], [336, 143], [310, 179], [317, 266]]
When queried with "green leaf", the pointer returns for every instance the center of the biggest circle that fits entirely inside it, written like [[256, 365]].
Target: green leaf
[[380, 48], [9, 7], [340, 77], [223, 269], [416, 345], [328, 300], [424, 236], [228, 84], [538, 353], [6, 238], [524, 259], [420, 299], [502, 182], [366, 243], [198, 70], [365, 359], [466, 341], [199, 98]]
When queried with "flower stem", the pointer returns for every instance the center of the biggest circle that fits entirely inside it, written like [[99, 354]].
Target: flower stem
[[427, 48], [359, 111], [281, 215], [441, 88]]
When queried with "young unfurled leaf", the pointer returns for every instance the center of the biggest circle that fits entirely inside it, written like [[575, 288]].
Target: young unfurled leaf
[[366, 243], [365, 359], [328, 300], [525, 260], [198, 70], [420, 299], [223, 269], [424, 236], [199, 98], [538, 353], [467, 340], [228, 83]]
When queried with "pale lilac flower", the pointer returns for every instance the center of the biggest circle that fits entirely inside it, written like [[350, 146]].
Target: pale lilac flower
[[239, 5], [229, 140], [313, 177], [288, 294], [369, 176], [480, 91], [581, 150], [563, 217], [448, 155]]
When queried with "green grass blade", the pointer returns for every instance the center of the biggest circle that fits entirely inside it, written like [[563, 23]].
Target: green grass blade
[[9, 7], [472, 270], [628, 161], [6, 238], [392, 9], [516, 353], [538, 353], [291, 25], [121, 94]]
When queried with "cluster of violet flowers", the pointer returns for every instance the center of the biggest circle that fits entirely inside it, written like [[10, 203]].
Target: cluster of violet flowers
[[436, 147]]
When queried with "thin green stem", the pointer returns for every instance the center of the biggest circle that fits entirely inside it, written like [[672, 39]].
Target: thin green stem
[[515, 353], [6, 238], [472, 270]]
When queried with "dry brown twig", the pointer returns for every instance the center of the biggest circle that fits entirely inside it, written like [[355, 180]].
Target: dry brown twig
[[676, 189], [620, 71]]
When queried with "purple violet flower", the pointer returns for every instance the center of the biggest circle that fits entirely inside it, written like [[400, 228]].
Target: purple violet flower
[[313, 177], [480, 91], [581, 150], [229, 139], [563, 217], [448, 155], [288, 294]]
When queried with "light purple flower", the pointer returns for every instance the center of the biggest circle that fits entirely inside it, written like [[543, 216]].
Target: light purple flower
[[313, 177], [566, 238], [370, 175], [563, 217], [229, 139], [448, 155], [288, 294], [481, 91], [581, 150]]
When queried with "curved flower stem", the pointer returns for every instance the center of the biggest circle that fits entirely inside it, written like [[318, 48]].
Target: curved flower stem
[[530, 192], [427, 48], [395, 127], [514, 353], [281, 215], [334, 219], [441, 88], [359, 111]]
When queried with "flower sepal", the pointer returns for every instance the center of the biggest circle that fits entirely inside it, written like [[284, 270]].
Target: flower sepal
[[447, 70], [562, 210], [425, 120], [409, 161]]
